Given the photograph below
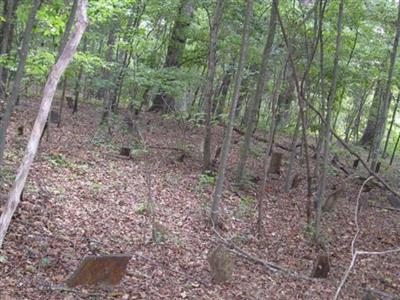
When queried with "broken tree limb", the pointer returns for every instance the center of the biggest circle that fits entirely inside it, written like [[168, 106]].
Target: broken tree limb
[[47, 99]]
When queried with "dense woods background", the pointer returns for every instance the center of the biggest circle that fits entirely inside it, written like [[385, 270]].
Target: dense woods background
[[267, 127]]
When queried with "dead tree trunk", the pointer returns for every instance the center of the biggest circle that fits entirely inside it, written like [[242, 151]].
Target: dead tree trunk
[[48, 94]]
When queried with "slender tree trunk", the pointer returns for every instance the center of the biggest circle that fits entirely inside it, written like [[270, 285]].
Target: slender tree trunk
[[353, 117], [381, 124], [48, 94], [395, 149], [222, 95], [68, 27], [5, 121], [215, 212], [64, 39], [292, 156], [301, 103], [267, 156], [78, 82], [208, 91], [326, 142], [60, 111], [106, 94], [255, 101], [76, 90], [391, 126]]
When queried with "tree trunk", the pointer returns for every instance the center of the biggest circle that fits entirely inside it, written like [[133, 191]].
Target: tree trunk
[[292, 156], [48, 94], [255, 101], [260, 195], [9, 9], [228, 133], [326, 132], [223, 93], [64, 40], [368, 135], [105, 93], [391, 126], [208, 91], [62, 100], [381, 123], [163, 101], [5, 121], [68, 27], [395, 149]]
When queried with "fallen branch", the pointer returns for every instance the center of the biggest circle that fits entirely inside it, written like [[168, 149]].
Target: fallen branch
[[165, 148], [354, 251], [266, 264]]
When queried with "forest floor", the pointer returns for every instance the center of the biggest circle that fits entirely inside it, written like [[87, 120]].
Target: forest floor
[[82, 198]]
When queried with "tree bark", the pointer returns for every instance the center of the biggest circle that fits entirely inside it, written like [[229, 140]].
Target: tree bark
[[215, 211]]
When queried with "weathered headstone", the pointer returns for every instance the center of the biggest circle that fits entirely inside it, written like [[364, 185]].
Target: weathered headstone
[[103, 270], [276, 163], [70, 102], [394, 201], [221, 264], [355, 163], [20, 130], [369, 295], [54, 117], [321, 266], [296, 179], [125, 151], [330, 202], [159, 232]]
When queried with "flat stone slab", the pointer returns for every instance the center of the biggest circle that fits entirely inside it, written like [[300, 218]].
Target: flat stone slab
[[102, 270]]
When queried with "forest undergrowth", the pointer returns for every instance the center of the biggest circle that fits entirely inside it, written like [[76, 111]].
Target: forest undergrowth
[[83, 198]]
